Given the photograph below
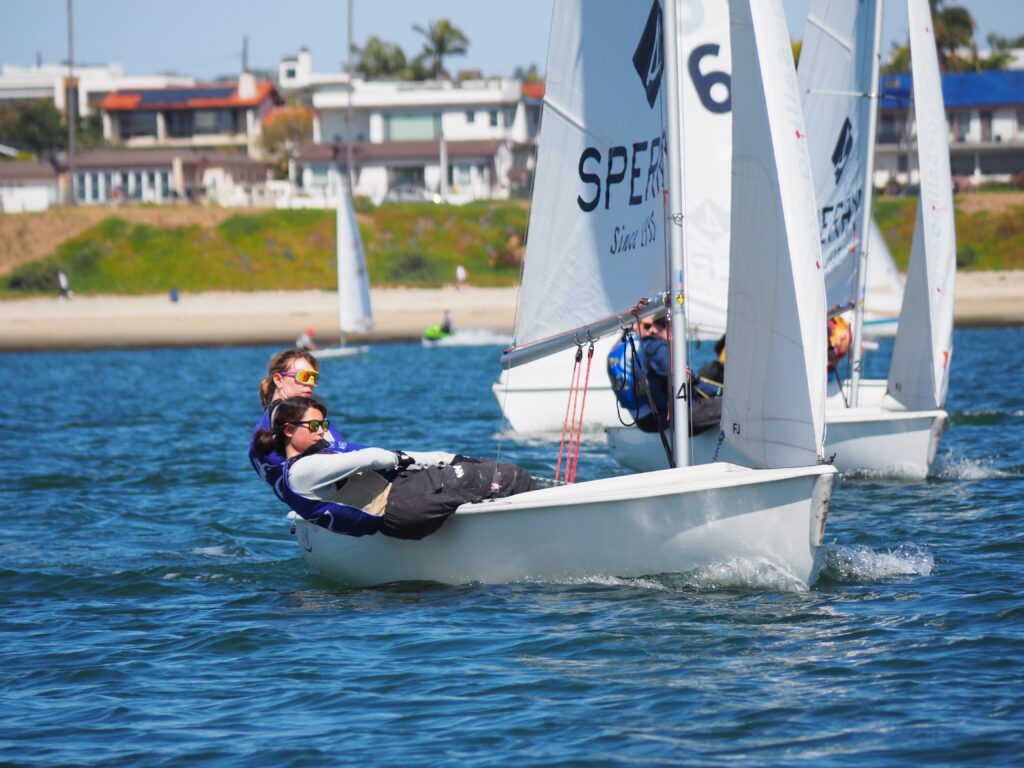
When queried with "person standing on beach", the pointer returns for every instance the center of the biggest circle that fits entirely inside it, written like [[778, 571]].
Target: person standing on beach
[[460, 277], [63, 287]]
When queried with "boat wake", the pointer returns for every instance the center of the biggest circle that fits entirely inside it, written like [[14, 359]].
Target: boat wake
[[735, 574], [470, 337], [863, 564], [953, 466]]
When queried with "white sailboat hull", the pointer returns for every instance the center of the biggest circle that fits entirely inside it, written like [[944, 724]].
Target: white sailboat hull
[[540, 408], [673, 521], [875, 439], [346, 351]]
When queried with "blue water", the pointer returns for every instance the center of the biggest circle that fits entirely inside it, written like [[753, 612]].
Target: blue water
[[156, 611]]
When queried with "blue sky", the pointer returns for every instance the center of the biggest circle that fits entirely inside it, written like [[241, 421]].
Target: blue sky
[[203, 38]]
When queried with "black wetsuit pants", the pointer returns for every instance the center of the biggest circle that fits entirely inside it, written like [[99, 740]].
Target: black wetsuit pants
[[422, 499]]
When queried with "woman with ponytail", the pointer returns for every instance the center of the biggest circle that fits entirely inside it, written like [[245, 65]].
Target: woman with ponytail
[[367, 490]]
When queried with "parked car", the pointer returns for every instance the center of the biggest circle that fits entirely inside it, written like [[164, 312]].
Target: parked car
[[410, 193]]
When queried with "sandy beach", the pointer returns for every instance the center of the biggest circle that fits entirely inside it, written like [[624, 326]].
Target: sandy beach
[[213, 319]]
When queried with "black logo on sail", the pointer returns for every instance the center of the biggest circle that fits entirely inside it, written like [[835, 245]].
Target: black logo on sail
[[843, 148], [648, 58]]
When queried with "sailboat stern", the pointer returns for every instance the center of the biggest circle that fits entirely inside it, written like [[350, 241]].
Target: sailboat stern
[[819, 507]]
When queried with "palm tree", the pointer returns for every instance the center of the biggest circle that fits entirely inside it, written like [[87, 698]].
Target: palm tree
[[443, 39], [954, 30], [379, 59]]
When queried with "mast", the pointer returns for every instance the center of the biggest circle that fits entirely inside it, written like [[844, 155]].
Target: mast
[[71, 96], [680, 410], [865, 229], [348, 109]]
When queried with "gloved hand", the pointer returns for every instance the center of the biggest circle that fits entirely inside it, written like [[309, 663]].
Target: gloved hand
[[403, 460]]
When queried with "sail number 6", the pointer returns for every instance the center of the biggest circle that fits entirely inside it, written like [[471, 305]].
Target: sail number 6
[[703, 82]]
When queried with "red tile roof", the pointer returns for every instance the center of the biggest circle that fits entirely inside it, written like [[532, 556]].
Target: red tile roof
[[197, 97]]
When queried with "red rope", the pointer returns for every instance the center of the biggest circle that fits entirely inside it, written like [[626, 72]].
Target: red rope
[[579, 426], [574, 384]]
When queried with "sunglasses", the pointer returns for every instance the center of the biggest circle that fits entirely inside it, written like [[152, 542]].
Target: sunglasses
[[308, 378], [656, 324], [313, 425]]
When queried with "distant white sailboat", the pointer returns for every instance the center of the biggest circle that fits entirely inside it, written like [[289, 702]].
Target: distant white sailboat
[[883, 295], [355, 315], [605, 111]]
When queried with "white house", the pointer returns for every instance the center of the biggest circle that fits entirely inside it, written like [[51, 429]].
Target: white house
[[985, 112], [462, 140], [93, 84], [26, 187]]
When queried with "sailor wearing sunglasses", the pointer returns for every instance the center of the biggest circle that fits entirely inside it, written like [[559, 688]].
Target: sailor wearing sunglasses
[[291, 373], [369, 490]]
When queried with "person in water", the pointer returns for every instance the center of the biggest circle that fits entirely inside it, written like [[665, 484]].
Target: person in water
[[372, 490], [291, 373]]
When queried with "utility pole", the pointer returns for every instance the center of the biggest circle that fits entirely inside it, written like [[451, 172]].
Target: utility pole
[[245, 53], [71, 95], [348, 109]]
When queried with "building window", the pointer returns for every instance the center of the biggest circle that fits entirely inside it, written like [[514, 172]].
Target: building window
[[289, 73], [961, 124], [888, 129], [206, 122], [494, 118], [986, 126], [412, 127], [132, 124], [460, 175], [179, 124], [470, 116]]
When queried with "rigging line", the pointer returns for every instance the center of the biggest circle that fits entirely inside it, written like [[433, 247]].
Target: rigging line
[[573, 384], [583, 405]]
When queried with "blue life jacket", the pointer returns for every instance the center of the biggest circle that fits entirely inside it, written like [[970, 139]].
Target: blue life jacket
[[622, 375], [341, 518], [271, 467]]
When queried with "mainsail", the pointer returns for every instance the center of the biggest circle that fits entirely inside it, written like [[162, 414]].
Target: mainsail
[[597, 222], [356, 316], [774, 407], [836, 85], [919, 372]]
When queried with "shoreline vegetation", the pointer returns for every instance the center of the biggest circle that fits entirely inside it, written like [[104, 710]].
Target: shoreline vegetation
[[246, 277]]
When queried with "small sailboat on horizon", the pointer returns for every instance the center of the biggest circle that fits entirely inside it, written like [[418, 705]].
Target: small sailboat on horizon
[[355, 314]]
